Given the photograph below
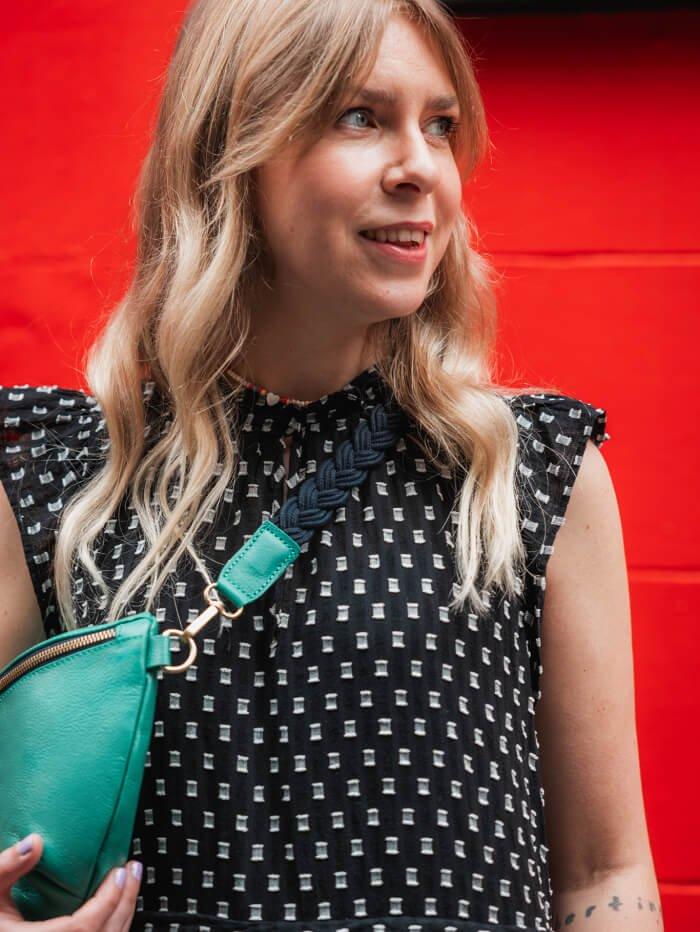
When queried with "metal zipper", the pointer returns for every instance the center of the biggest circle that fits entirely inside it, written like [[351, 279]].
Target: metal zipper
[[56, 650]]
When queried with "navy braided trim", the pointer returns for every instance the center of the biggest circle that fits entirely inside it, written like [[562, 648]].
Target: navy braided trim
[[330, 486]]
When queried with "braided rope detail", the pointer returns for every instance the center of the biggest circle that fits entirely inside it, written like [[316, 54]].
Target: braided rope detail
[[330, 486]]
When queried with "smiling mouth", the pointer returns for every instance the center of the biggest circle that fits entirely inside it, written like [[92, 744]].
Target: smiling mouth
[[408, 245]]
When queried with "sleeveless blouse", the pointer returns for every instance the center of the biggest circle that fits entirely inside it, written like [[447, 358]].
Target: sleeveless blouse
[[348, 755]]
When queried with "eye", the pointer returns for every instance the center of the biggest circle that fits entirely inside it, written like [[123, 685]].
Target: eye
[[450, 128], [355, 110]]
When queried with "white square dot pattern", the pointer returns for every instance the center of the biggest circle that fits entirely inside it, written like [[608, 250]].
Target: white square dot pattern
[[348, 755]]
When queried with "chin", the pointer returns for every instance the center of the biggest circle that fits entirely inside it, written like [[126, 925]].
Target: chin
[[399, 306]]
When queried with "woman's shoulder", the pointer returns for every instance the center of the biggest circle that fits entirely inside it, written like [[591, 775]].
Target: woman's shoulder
[[51, 440], [44, 402], [553, 431], [555, 427], [49, 424], [50, 434]]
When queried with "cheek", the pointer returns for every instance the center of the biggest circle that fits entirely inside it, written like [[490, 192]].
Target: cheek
[[337, 196], [291, 208], [453, 195], [308, 222], [310, 243], [449, 205]]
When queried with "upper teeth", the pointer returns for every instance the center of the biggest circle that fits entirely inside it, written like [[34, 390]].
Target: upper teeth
[[394, 236]]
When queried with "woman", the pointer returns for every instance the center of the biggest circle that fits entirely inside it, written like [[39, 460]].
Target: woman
[[358, 751]]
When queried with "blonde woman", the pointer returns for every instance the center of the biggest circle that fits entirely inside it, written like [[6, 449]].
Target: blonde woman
[[370, 746]]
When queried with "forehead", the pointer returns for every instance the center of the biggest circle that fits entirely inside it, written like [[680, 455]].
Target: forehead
[[408, 66], [407, 58]]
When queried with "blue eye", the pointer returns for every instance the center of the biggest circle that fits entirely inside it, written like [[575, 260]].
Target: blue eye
[[452, 125], [354, 110], [451, 122]]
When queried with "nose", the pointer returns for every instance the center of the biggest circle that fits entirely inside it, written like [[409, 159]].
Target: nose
[[413, 163]]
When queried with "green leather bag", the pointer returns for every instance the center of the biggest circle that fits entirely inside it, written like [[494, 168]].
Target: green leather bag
[[77, 710]]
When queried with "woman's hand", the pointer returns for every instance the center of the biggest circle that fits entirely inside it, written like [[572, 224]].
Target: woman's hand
[[111, 909]]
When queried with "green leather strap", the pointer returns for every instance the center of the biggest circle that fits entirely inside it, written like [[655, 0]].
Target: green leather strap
[[159, 651], [257, 565]]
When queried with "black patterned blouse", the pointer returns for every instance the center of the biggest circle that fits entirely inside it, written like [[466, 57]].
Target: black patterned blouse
[[349, 755]]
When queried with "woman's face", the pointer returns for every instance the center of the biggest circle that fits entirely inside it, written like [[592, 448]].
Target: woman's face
[[380, 164]]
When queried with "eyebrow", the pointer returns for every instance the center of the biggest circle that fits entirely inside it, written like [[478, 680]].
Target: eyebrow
[[388, 98]]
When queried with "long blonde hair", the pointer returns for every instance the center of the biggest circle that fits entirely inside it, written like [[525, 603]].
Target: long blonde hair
[[199, 254]]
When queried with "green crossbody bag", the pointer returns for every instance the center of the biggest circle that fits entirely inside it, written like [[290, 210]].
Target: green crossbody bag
[[77, 710]]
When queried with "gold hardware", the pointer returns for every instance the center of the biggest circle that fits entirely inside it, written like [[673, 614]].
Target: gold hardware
[[75, 643], [55, 650], [216, 607], [219, 602], [192, 654]]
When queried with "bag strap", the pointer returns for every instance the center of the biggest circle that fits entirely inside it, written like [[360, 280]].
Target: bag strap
[[276, 544]]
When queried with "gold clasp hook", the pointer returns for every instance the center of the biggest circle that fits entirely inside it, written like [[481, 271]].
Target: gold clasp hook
[[216, 607]]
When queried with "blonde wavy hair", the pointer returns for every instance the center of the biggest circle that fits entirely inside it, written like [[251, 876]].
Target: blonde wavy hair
[[185, 318]]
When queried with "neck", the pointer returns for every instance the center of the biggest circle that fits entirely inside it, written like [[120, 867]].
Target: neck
[[285, 379], [297, 350]]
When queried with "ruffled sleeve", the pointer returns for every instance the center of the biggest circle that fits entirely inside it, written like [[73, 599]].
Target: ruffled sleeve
[[553, 432], [51, 440]]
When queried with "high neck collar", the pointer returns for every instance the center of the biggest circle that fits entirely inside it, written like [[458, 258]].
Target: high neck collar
[[362, 392]]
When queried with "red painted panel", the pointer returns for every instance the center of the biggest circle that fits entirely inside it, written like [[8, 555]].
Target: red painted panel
[[595, 133], [625, 339], [665, 609], [80, 86], [589, 204], [681, 907]]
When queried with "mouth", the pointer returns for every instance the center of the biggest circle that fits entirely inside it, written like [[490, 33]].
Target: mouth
[[409, 253], [407, 245]]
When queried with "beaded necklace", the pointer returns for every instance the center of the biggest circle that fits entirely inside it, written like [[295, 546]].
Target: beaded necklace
[[271, 398]]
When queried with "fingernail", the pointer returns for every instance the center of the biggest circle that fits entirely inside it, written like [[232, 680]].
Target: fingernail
[[136, 868], [26, 844], [120, 877]]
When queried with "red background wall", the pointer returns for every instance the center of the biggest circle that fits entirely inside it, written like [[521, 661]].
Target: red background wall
[[589, 207]]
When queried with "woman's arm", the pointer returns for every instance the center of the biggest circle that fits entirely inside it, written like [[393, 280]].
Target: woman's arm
[[600, 859]]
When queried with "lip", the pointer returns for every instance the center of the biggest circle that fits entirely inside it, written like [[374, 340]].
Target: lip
[[424, 225], [415, 255]]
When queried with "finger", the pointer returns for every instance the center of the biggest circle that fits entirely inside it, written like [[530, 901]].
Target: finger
[[123, 915], [96, 911], [16, 861]]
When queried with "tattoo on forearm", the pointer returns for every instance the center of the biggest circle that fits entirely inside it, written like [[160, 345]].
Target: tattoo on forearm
[[578, 918]]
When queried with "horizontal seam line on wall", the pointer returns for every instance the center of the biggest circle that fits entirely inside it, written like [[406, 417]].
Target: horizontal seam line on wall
[[664, 574], [609, 259]]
